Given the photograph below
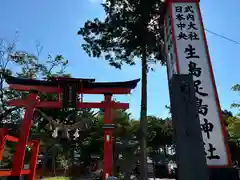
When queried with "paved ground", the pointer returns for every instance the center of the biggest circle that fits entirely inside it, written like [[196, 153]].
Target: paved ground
[[92, 175], [90, 178], [148, 179]]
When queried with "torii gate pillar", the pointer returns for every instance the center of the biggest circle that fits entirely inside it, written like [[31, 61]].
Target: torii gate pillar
[[108, 130]]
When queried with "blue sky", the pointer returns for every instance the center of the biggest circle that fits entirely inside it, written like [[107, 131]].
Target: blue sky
[[55, 24]]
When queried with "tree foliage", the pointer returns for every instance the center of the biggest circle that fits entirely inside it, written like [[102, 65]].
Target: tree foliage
[[129, 28], [25, 65], [236, 88]]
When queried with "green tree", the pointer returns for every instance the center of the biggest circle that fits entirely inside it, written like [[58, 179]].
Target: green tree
[[160, 132], [25, 65], [233, 129], [130, 30], [236, 88]]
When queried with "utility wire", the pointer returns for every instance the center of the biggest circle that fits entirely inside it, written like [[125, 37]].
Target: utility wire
[[223, 37], [216, 34], [211, 32]]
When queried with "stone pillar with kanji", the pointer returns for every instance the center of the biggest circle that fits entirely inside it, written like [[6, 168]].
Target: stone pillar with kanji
[[187, 52]]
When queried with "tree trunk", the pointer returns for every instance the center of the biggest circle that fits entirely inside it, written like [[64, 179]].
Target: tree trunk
[[54, 163], [72, 157], [66, 164], [127, 175], [143, 119], [154, 168], [165, 151], [45, 158], [66, 154]]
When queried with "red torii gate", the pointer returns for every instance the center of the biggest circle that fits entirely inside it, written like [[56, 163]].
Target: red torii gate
[[70, 88], [15, 173]]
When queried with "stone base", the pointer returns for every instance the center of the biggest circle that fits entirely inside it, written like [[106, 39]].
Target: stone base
[[14, 178], [219, 174], [17, 178], [223, 174]]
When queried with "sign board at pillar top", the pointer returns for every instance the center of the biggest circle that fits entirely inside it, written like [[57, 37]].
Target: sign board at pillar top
[[187, 54]]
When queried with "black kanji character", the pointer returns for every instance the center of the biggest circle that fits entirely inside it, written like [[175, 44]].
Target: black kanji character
[[202, 109], [211, 150], [185, 87], [192, 25], [181, 25], [182, 36], [180, 17], [190, 17], [190, 51], [193, 36], [193, 70], [197, 88], [188, 9], [178, 9], [207, 127]]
